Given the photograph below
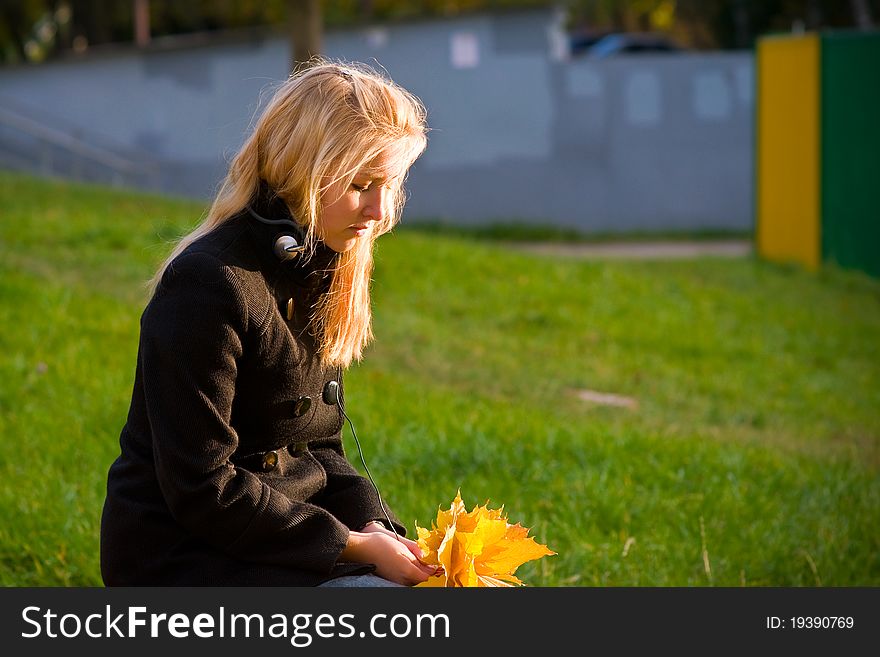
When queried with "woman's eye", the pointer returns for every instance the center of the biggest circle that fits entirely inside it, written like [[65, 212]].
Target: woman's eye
[[360, 188]]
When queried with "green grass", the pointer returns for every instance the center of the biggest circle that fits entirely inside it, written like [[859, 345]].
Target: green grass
[[753, 449], [526, 232]]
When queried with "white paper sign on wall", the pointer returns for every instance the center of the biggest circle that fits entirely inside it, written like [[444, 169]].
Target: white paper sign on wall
[[464, 50]]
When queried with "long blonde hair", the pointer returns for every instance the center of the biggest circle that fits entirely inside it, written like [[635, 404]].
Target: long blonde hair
[[322, 126]]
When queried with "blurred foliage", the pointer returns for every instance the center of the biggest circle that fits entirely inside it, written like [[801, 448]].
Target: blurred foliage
[[35, 30], [718, 23]]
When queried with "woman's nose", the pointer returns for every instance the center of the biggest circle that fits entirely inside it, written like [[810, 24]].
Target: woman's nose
[[375, 206]]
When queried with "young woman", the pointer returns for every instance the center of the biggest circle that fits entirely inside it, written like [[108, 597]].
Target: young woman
[[232, 470]]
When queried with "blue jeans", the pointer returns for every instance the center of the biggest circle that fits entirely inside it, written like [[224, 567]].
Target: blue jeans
[[357, 581]]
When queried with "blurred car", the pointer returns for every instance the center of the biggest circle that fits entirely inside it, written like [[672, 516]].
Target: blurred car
[[579, 43], [629, 43]]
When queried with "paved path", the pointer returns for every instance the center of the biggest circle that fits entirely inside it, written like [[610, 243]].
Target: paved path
[[665, 250]]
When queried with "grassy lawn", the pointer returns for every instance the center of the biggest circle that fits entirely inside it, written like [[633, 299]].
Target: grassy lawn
[[749, 454]]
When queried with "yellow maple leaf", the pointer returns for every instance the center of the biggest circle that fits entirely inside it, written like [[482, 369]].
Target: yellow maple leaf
[[476, 548]]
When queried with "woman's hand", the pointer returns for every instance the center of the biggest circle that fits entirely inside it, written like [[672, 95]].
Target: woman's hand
[[395, 560], [412, 546]]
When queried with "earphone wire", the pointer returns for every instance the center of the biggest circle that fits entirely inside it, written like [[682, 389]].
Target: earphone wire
[[271, 222], [364, 463]]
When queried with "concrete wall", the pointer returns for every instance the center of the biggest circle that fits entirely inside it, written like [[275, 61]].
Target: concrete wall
[[519, 131]]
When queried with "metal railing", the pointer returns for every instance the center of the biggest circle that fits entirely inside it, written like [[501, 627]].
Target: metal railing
[[66, 151]]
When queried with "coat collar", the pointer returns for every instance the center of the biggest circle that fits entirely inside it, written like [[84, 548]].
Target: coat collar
[[306, 269]]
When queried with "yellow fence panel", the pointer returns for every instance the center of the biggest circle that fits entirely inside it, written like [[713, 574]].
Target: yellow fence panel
[[788, 150]]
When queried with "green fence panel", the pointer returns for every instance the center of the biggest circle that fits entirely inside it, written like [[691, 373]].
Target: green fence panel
[[850, 120]]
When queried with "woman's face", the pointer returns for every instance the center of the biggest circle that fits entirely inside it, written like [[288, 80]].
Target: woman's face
[[351, 213]]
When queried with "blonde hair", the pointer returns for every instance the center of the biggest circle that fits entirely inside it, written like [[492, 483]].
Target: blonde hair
[[322, 126]]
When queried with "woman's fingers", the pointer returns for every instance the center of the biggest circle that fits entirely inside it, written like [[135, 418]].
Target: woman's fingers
[[413, 547], [416, 560], [419, 572], [396, 558], [414, 570], [417, 552]]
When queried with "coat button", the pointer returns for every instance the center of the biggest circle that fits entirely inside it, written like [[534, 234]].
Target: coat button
[[289, 310], [297, 449], [270, 461], [302, 406]]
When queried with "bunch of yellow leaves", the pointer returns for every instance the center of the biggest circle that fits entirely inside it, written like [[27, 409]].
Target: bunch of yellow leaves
[[476, 548]]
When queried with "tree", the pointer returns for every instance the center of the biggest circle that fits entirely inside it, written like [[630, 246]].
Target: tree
[[862, 14], [24, 24], [305, 25]]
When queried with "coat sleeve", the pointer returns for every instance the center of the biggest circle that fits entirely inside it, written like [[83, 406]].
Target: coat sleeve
[[192, 334], [348, 495]]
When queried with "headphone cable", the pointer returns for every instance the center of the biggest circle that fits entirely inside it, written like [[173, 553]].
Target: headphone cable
[[367, 470]]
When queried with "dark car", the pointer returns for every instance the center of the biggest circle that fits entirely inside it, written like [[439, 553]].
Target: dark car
[[580, 42], [627, 43]]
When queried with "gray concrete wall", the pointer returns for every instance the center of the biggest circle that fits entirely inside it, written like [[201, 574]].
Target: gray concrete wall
[[519, 133]]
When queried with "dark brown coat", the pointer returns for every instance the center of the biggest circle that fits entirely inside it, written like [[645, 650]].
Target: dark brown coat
[[220, 372]]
